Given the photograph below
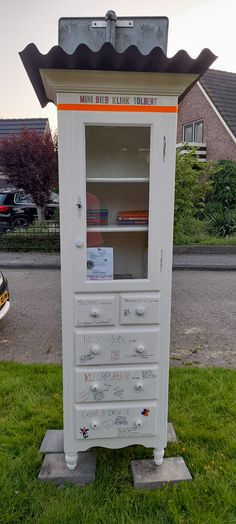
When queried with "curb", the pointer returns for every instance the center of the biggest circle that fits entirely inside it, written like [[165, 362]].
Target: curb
[[175, 267], [23, 265], [204, 250], [203, 268]]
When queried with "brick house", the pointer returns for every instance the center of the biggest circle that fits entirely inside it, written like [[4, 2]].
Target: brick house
[[207, 116], [14, 126]]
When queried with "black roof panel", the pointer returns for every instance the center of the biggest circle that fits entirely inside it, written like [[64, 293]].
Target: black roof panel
[[108, 59]]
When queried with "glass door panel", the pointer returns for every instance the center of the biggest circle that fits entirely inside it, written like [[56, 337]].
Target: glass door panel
[[117, 189]]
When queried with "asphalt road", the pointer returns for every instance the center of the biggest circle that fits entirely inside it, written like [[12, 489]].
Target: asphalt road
[[203, 331]]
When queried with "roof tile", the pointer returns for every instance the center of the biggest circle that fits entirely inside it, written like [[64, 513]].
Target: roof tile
[[220, 86]]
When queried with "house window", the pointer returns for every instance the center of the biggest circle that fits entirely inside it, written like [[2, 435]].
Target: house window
[[193, 132]]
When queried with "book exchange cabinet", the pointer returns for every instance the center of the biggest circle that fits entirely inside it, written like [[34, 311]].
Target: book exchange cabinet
[[117, 113], [117, 166]]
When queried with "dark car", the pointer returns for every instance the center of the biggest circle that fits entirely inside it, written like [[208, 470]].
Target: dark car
[[4, 296], [18, 209]]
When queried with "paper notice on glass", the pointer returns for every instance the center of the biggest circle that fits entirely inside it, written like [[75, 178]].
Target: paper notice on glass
[[99, 263]]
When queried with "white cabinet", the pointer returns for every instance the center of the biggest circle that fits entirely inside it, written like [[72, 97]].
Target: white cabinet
[[116, 200]]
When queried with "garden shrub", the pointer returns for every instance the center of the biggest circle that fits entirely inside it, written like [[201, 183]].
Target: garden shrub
[[190, 191], [223, 184], [220, 210]]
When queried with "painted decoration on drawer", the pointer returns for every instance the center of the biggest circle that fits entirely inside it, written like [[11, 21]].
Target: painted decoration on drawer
[[116, 421], [108, 384], [124, 347], [95, 311], [140, 308]]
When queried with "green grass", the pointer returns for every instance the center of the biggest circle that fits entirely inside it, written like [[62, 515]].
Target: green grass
[[203, 410]]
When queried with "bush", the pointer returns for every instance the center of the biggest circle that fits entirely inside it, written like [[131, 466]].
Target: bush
[[190, 191], [222, 221], [220, 210], [223, 184]]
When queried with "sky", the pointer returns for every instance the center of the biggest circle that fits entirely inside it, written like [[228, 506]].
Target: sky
[[193, 26]]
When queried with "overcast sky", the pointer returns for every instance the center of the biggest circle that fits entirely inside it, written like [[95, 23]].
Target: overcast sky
[[193, 25]]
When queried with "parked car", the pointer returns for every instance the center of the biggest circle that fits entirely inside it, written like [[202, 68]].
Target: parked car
[[4, 296], [18, 208]]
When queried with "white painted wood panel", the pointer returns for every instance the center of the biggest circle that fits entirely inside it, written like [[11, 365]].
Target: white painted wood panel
[[117, 421], [114, 384], [100, 310], [120, 346], [140, 308]]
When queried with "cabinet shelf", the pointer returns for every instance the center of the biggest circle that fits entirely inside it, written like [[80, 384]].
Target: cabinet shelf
[[116, 229], [118, 180]]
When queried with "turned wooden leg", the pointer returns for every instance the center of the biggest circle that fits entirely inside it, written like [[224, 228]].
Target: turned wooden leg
[[158, 456], [71, 460]]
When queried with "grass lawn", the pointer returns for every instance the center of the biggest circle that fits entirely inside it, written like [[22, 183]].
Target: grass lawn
[[203, 411]]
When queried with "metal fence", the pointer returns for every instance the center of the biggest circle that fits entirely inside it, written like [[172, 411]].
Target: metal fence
[[44, 237]]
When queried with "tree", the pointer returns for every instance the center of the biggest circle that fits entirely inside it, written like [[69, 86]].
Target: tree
[[30, 160]]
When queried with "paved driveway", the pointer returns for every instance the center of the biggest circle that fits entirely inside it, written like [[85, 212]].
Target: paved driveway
[[203, 318]]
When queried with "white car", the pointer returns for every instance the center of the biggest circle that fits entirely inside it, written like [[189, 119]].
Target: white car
[[4, 296]]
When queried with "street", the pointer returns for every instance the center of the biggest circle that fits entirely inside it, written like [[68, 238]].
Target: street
[[202, 327]]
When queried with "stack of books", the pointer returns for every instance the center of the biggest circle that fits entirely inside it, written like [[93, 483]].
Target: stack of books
[[97, 217], [132, 218]]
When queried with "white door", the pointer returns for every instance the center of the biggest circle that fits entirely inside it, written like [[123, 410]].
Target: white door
[[115, 186]]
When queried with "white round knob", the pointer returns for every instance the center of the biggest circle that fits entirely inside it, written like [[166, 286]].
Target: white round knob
[[140, 349], [139, 386], [138, 423], [79, 242], [140, 311], [94, 424], [95, 349], [95, 388], [94, 313]]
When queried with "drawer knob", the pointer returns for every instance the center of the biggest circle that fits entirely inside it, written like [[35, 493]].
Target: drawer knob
[[140, 311], [140, 349], [95, 349], [94, 424], [139, 386], [138, 423], [95, 388], [79, 242], [94, 313]]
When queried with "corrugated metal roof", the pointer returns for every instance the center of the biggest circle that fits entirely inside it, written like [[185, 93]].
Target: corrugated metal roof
[[108, 59], [13, 126], [220, 86]]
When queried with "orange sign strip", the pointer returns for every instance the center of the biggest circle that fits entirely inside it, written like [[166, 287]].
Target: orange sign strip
[[113, 107]]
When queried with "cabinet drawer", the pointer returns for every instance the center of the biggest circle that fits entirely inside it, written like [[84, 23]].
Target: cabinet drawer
[[93, 385], [122, 347], [142, 308], [116, 421], [101, 310]]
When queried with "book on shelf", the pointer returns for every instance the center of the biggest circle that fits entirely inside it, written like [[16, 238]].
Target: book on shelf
[[97, 216], [137, 217]]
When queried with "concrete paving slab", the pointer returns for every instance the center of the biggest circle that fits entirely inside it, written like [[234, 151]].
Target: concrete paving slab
[[146, 475], [54, 469], [53, 439]]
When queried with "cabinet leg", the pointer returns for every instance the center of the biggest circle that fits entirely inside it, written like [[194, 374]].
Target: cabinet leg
[[71, 460], [158, 456]]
